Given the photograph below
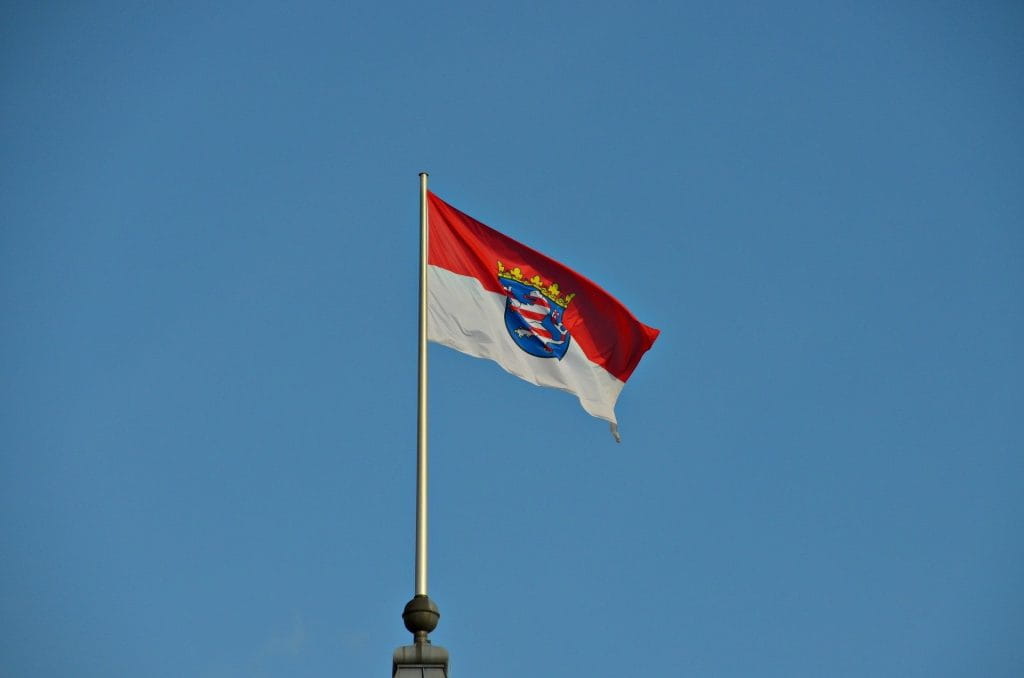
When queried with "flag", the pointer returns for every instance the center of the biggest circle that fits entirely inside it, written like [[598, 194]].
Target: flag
[[492, 297]]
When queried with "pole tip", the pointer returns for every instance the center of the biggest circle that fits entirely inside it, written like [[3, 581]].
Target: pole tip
[[424, 174]]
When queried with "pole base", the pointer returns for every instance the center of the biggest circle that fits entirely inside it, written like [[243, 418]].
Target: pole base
[[421, 659]]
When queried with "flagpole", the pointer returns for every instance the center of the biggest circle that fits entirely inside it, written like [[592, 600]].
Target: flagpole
[[421, 432], [420, 614]]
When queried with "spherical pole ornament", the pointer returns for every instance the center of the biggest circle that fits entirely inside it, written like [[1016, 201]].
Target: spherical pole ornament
[[420, 616]]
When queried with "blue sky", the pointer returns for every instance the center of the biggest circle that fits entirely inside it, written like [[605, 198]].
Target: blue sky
[[208, 278]]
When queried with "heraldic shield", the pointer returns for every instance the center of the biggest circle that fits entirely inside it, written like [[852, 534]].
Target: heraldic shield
[[534, 322]]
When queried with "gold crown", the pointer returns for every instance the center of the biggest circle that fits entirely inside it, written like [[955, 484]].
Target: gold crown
[[550, 291]]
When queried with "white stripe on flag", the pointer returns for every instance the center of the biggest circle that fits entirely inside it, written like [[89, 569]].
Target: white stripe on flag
[[464, 316]]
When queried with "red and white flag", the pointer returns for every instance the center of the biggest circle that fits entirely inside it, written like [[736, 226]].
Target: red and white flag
[[492, 297]]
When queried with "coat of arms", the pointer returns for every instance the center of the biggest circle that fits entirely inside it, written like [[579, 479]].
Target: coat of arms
[[534, 313]]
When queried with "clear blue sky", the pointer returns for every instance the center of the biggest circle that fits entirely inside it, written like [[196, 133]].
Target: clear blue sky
[[208, 284]]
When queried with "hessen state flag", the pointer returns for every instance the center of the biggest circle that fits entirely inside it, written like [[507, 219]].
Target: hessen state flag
[[492, 297]]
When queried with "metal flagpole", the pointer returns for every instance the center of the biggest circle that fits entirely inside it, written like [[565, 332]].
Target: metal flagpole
[[420, 614], [421, 432]]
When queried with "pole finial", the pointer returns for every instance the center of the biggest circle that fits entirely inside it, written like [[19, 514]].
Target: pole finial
[[420, 616]]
